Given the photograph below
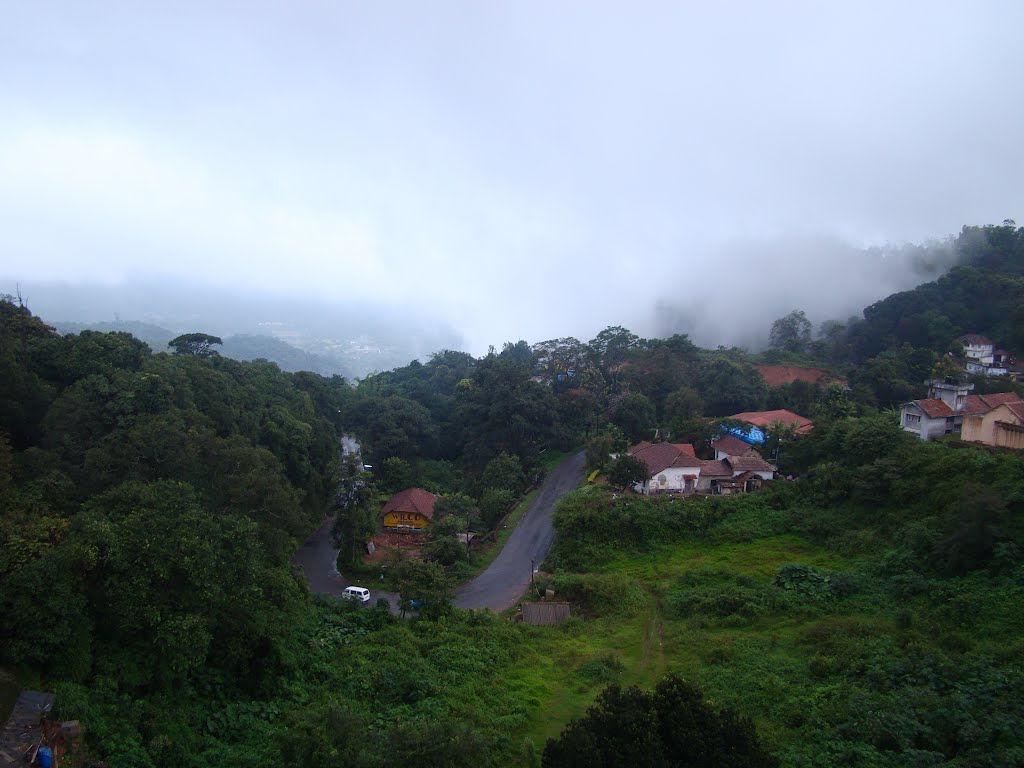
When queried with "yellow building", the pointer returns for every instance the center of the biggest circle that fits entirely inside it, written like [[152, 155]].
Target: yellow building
[[412, 509], [1003, 426]]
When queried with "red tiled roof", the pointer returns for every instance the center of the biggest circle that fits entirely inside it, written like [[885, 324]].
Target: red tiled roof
[[985, 403], [412, 500], [765, 419], [934, 408], [749, 463], [660, 456], [976, 339], [777, 375], [731, 445], [715, 469], [1017, 409]]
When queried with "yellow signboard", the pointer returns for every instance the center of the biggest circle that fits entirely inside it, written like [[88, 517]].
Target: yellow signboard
[[404, 520]]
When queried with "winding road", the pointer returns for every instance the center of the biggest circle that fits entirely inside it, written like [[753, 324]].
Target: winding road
[[498, 587]]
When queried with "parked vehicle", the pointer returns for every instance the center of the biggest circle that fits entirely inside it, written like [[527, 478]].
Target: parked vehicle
[[362, 594]]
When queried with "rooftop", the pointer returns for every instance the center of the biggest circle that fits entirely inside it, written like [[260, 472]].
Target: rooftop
[[763, 419], [412, 500]]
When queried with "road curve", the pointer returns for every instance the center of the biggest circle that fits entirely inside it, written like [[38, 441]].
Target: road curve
[[505, 580], [318, 559], [497, 588]]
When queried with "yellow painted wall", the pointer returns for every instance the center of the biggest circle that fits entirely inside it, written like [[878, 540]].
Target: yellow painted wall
[[983, 429], [411, 519]]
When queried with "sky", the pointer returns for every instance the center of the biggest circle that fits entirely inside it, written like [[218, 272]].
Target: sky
[[522, 169]]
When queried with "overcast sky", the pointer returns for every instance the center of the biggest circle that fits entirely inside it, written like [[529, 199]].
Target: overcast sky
[[530, 169]]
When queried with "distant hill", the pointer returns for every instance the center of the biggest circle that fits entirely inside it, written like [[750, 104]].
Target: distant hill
[[239, 347]]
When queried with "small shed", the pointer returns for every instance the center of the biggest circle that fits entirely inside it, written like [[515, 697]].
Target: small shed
[[545, 613]]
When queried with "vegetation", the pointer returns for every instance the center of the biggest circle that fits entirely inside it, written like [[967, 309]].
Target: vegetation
[[864, 614], [672, 726]]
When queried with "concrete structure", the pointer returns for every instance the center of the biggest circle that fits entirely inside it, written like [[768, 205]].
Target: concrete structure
[[928, 418]]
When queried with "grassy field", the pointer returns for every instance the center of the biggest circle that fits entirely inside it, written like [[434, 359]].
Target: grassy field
[[741, 661]]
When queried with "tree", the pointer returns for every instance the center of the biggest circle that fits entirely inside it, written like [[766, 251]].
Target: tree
[[626, 471], [503, 471], [443, 545], [612, 345], [425, 583], [671, 726], [792, 332], [598, 449], [635, 416], [195, 344], [683, 404], [354, 520]]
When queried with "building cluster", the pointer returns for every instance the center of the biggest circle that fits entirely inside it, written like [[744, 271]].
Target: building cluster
[[738, 466], [950, 409]]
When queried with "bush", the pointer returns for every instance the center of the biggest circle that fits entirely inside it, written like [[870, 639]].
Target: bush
[[721, 594], [602, 594], [603, 669]]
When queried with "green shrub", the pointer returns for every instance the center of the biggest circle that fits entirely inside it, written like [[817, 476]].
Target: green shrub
[[602, 594], [603, 669]]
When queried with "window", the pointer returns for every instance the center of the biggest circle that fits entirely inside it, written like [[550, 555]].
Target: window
[[912, 420]]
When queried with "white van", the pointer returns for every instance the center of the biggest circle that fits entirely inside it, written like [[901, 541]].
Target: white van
[[362, 594]]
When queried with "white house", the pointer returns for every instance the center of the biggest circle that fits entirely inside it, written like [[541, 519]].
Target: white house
[[671, 467], [675, 468], [978, 347]]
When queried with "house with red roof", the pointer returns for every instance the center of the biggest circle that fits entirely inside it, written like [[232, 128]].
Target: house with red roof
[[410, 509], [730, 445], [1001, 426], [674, 468], [670, 467]]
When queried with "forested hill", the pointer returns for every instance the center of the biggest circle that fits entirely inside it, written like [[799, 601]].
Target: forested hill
[[150, 504], [984, 295]]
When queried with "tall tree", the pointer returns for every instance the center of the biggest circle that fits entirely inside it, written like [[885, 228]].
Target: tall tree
[[195, 344], [792, 332]]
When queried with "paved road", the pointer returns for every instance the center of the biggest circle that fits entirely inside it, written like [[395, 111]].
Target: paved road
[[497, 588], [319, 561], [503, 583]]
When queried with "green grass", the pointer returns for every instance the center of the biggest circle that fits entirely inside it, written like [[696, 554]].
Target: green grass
[[738, 661], [758, 559]]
